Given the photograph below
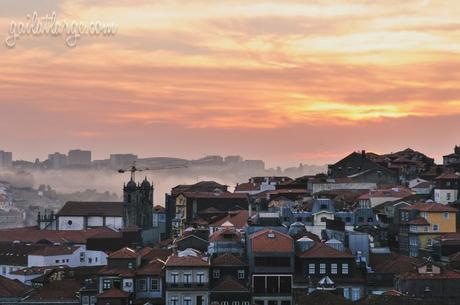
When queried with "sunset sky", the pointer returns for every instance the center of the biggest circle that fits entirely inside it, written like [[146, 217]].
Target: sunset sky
[[285, 81]]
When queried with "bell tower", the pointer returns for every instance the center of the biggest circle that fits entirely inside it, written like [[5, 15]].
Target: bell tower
[[138, 204]]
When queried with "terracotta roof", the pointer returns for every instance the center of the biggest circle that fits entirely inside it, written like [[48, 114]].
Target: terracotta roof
[[238, 218], [153, 267], [271, 241], [12, 288], [157, 253], [215, 195], [120, 271], [391, 263], [419, 221], [38, 270], [247, 186], [228, 260], [65, 289], [186, 261], [34, 234], [90, 208], [144, 251], [226, 235], [159, 209], [430, 207], [422, 185], [124, 253], [229, 284], [16, 253], [113, 293], [54, 250], [393, 293], [446, 274], [321, 250], [448, 176], [398, 192]]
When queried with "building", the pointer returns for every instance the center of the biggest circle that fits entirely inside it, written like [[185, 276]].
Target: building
[[317, 260], [6, 159], [421, 223], [226, 241], [447, 188], [120, 161], [452, 160], [430, 280], [77, 158], [362, 169], [57, 160], [230, 280], [138, 204], [187, 279], [271, 258]]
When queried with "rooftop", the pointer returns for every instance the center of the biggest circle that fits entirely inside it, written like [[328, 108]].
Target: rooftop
[[90, 208]]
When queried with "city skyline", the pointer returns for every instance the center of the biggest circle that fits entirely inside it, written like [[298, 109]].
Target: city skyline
[[187, 80]]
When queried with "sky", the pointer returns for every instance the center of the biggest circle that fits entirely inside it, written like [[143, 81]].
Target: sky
[[285, 81]]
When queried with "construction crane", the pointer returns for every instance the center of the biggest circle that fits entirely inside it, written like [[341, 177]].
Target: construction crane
[[133, 169]]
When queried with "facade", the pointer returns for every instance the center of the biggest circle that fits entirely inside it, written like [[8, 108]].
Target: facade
[[77, 158], [187, 280], [6, 159], [421, 223], [138, 204], [447, 188], [271, 265]]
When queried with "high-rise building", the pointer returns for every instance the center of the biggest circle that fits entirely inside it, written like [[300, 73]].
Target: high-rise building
[[57, 160], [6, 159], [79, 157], [122, 160]]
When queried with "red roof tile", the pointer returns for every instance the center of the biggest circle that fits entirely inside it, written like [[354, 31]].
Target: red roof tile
[[238, 218], [229, 284], [448, 176], [215, 195], [157, 253], [54, 250], [321, 250], [247, 186], [154, 267], [12, 288], [88, 208], [419, 221], [228, 260], [430, 207], [271, 241], [226, 235], [124, 253], [34, 234], [186, 261]]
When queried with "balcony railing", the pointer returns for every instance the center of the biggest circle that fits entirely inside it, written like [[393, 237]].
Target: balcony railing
[[187, 285]]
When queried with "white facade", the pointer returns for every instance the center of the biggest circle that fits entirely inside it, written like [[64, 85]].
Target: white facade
[[445, 196], [329, 186], [79, 258], [196, 277], [83, 222]]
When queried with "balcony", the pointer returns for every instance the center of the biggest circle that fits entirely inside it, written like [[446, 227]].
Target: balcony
[[187, 286]]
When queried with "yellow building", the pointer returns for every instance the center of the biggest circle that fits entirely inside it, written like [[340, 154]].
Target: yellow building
[[422, 223]]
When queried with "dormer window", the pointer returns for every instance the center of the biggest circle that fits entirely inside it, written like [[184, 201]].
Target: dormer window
[[271, 235], [429, 268]]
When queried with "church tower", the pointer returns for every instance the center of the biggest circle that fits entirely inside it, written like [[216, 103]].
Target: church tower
[[138, 204]]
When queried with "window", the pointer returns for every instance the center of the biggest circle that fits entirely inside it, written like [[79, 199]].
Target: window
[[57, 261], [90, 260], [241, 274], [200, 278], [82, 257], [187, 277], [429, 268], [128, 284], [106, 284], [216, 273], [355, 294], [85, 300], [174, 301], [130, 265], [344, 268], [360, 219], [142, 285], [323, 219], [224, 303], [4, 270], [370, 219], [174, 278], [322, 268], [93, 300], [429, 242], [435, 228], [235, 303], [347, 219], [446, 215], [154, 285], [187, 301], [311, 268], [333, 268]]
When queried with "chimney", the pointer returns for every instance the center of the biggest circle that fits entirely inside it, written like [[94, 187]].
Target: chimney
[[363, 153]]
